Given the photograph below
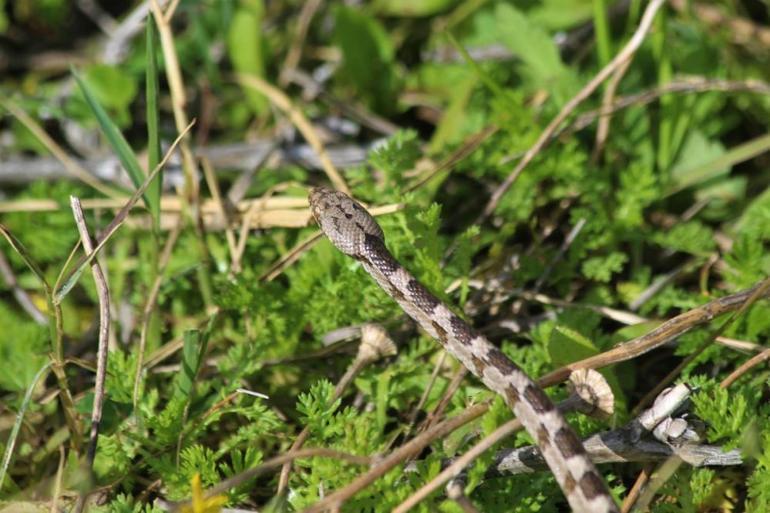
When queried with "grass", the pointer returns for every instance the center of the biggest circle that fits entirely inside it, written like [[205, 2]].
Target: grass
[[586, 198]]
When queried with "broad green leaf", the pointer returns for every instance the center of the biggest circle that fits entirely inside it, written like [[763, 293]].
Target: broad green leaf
[[454, 122], [367, 56], [696, 162], [114, 89], [709, 161], [560, 14], [245, 47], [535, 47], [411, 8], [566, 346]]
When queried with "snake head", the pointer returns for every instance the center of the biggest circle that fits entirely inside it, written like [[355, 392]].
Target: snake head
[[344, 221]]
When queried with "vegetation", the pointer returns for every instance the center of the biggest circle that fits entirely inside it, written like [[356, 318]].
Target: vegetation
[[569, 174]]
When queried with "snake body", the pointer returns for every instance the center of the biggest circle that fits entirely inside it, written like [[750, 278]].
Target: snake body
[[355, 232]]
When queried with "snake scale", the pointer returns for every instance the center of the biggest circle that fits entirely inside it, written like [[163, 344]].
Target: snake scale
[[355, 232]]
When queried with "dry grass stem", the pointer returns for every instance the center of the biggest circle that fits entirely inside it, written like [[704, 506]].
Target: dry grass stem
[[666, 332], [102, 352], [280, 100]]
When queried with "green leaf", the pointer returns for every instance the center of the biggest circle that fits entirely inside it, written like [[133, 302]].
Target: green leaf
[[747, 262], [727, 412], [113, 88], [706, 162], [367, 56], [536, 49], [22, 354], [691, 237], [411, 8], [566, 345], [11, 443], [602, 268], [192, 355], [114, 137], [697, 162], [398, 154], [245, 47]]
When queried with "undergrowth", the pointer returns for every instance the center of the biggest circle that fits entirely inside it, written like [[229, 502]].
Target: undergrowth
[[674, 201]]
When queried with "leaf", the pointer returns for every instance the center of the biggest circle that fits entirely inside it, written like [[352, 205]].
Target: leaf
[[699, 159], [113, 88], [602, 268], [536, 49], [192, 355], [411, 8], [691, 237], [113, 135], [25, 256], [566, 346], [22, 354], [12, 436], [367, 56], [245, 48], [397, 154]]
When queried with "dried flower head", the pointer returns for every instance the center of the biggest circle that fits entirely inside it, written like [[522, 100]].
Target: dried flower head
[[595, 394], [375, 343]]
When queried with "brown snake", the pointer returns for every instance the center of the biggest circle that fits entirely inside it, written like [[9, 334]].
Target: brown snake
[[355, 232]]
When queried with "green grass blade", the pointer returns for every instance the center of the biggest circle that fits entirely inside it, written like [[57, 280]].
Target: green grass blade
[[192, 353], [153, 136], [116, 222], [602, 29], [114, 136], [25, 256], [17, 423]]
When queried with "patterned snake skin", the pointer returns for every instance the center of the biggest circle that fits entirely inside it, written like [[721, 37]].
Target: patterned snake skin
[[354, 232]]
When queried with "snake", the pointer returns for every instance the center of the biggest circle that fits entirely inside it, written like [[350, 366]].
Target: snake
[[354, 231]]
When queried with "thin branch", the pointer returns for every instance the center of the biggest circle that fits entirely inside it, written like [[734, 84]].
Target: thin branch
[[636, 489], [685, 85], [71, 278], [760, 291], [459, 464], [603, 130]]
